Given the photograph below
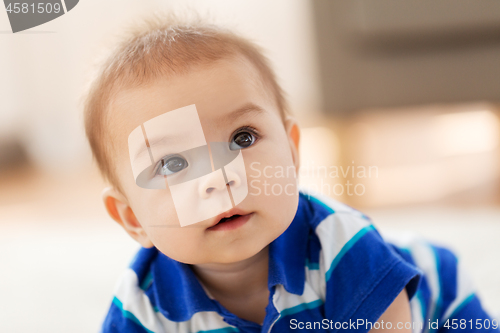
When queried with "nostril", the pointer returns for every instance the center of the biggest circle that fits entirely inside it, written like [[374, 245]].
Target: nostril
[[210, 190], [231, 183]]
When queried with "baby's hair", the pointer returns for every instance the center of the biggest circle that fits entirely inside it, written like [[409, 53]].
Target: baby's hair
[[162, 46]]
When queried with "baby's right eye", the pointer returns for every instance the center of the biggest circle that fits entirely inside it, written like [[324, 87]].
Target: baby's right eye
[[171, 164]]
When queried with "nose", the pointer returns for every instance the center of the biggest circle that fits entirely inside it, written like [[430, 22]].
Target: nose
[[233, 180], [212, 183], [216, 181]]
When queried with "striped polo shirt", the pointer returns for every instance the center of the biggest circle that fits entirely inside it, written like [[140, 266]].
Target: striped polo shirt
[[329, 271]]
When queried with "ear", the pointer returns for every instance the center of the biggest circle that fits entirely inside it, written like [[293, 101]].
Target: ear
[[117, 206], [293, 133]]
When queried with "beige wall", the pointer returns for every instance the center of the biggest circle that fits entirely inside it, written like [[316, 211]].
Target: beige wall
[[43, 73]]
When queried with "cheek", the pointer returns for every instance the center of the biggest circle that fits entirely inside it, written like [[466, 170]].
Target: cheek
[[155, 208], [158, 217], [181, 244], [272, 180]]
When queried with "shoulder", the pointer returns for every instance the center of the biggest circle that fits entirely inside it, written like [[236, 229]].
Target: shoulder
[[130, 304], [151, 296], [361, 273], [346, 235], [134, 307]]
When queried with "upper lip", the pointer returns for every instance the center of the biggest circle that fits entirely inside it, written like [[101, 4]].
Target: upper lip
[[229, 213]]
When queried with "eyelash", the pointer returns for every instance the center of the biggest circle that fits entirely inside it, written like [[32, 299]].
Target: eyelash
[[247, 128]]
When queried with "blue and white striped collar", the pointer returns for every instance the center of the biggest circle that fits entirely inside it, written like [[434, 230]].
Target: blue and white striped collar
[[287, 253]]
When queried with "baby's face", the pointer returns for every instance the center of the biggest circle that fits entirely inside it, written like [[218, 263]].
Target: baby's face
[[233, 107]]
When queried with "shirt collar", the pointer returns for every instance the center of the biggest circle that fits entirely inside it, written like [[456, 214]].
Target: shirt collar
[[287, 253]]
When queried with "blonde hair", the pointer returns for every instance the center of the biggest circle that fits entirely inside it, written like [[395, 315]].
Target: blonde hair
[[159, 47]]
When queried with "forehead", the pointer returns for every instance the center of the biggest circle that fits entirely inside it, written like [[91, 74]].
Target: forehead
[[216, 89]]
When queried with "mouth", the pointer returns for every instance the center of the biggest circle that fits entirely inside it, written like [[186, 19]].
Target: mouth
[[230, 220]]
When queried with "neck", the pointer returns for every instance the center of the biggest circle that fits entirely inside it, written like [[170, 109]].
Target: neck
[[240, 279]]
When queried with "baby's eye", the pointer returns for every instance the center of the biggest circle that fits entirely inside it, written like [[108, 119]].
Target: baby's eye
[[172, 164], [242, 140]]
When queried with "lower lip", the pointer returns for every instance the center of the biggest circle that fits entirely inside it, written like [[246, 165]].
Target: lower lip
[[231, 225]]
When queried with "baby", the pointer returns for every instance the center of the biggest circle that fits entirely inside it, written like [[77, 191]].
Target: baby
[[190, 127]]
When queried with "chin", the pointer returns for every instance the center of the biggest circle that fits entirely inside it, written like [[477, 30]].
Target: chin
[[240, 254]]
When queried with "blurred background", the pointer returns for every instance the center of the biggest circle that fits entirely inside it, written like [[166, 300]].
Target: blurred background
[[398, 104]]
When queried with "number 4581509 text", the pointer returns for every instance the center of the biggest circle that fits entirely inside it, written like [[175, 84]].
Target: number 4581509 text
[[40, 8], [471, 324]]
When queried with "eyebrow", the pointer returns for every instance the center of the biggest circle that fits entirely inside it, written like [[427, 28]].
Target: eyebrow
[[148, 143], [246, 109]]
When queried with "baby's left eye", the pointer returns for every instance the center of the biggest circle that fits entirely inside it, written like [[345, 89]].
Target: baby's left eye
[[242, 140]]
